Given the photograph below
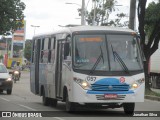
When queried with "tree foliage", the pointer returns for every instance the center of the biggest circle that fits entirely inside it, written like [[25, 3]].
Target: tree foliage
[[11, 11], [27, 51], [1, 57], [152, 25], [149, 24], [102, 9]]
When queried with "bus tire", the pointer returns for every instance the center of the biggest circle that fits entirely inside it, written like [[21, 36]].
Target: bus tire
[[69, 105], [45, 100], [128, 108], [53, 102]]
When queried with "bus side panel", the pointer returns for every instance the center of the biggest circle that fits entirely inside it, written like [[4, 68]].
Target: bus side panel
[[42, 77], [51, 80], [63, 78], [67, 78]]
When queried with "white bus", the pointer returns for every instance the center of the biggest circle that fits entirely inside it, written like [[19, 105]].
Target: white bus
[[88, 65]]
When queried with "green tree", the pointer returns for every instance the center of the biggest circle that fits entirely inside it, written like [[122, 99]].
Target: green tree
[[101, 10], [11, 11], [27, 50], [149, 24], [1, 57], [117, 21]]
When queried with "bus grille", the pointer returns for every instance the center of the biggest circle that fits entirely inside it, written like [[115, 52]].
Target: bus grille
[[98, 87]]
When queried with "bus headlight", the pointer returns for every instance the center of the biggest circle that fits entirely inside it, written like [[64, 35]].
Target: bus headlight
[[84, 84], [137, 83], [134, 85]]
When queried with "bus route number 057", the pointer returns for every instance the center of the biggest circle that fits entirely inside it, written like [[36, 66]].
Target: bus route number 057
[[91, 79]]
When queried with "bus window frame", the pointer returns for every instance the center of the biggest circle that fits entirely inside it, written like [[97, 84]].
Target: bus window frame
[[110, 73], [49, 50], [33, 50]]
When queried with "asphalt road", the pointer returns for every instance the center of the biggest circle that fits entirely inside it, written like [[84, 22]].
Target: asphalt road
[[22, 100]]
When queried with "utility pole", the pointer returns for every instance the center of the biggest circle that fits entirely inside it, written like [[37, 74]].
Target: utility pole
[[94, 14], [83, 13], [132, 14]]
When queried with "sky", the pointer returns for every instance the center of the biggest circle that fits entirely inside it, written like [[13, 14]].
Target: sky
[[49, 14]]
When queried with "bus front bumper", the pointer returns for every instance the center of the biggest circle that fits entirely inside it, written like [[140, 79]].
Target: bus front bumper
[[89, 96]]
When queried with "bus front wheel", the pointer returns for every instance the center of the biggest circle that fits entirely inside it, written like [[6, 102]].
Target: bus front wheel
[[53, 102], [69, 105], [128, 108]]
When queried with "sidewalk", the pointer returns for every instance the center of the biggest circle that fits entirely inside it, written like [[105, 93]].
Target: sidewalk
[[150, 97], [155, 90]]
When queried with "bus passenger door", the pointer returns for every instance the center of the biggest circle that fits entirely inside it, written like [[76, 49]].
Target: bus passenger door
[[34, 75], [58, 78], [37, 54]]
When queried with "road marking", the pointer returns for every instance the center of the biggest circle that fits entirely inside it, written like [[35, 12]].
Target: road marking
[[5, 99], [58, 118], [27, 107]]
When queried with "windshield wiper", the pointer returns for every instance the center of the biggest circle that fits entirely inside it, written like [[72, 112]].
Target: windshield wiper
[[81, 65], [120, 61], [97, 62]]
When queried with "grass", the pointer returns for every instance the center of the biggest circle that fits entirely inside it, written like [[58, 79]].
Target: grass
[[152, 93]]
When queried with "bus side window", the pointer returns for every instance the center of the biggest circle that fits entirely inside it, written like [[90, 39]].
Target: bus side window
[[67, 47], [45, 51], [42, 50], [66, 50], [49, 50], [53, 40]]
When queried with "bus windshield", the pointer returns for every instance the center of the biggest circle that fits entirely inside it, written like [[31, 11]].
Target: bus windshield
[[126, 47], [87, 49], [106, 53]]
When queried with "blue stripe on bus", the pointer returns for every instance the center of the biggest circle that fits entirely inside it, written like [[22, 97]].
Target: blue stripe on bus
[[108, 92]]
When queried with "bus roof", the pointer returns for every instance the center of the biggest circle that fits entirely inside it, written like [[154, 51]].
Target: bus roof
[[99, 28], [89, 28]]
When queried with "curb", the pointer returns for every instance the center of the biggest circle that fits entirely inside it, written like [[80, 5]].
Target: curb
[[152, 97]]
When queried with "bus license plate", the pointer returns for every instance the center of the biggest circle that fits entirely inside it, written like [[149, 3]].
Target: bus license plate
[[110, 96]]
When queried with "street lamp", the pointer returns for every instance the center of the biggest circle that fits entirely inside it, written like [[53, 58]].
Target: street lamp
[[73, 3], [82, 11], [34, 28]]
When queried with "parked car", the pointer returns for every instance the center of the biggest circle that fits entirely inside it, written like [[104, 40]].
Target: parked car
[[6, 82]]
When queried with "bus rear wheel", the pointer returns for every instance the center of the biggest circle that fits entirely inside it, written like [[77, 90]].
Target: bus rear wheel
[[69, 105], [128, 108]]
